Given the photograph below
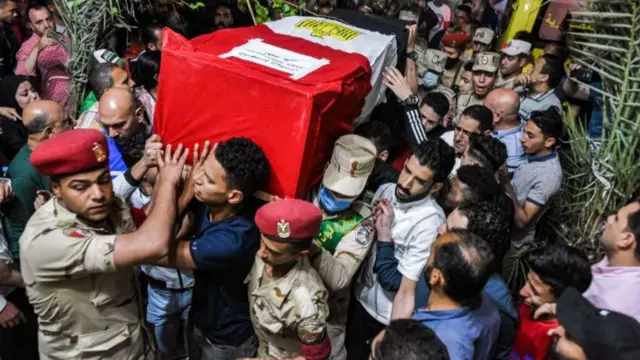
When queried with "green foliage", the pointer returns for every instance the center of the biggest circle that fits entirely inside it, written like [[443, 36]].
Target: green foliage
[[601, 174], [274, 9]]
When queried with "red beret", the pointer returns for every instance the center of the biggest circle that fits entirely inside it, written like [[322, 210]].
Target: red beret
[[71, 152], [457, 40], [289, 220]]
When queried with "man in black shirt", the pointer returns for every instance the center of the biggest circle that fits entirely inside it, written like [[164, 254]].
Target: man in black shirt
[[8, 43]]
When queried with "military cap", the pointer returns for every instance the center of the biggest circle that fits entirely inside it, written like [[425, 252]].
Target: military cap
[[483, 35], [352, 162], [487, 61], [456, 40], [71, 152], [436, 60], [289, 220]]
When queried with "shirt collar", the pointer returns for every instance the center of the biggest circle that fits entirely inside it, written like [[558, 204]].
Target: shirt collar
[[542, 158], [429, 315], [499, 134], [67, 219]]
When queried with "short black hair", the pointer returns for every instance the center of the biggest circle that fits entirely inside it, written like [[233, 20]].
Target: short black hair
[[549, 122], [408, 339], [438, 156], [38, 124], [245, 164], [481, 114], [560, 266], [560, 51], [465, 264], [378, 133], [35, 5], [147, 69], [176, 22], [492, 220], [554, 68], [480, 181], [101, 78], [149, 32], [465, 8], [436, 101], [489, 151], [468, 66]]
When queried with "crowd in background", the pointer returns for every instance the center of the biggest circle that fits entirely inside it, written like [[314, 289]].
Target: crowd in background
[[429, 249]]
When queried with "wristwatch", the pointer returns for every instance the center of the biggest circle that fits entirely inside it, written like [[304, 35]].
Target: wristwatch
[[413, 55], [412, 100]]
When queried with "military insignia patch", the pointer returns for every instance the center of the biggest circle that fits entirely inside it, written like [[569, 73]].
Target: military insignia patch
[[76, 233], [435, 59], [284, 230], [362, 235], [484, 60], [99, 152]]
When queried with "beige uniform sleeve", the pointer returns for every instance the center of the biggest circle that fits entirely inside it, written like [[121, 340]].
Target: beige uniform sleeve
[[338, 270], [66, 253], [313, 309]]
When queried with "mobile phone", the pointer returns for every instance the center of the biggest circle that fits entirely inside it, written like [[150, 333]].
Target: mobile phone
[[583, 75]]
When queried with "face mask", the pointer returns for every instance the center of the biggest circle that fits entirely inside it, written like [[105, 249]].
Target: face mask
[[430, 80], [331, 204]]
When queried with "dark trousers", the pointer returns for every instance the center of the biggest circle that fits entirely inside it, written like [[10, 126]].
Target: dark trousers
[[20, 342], [200, 348], [361, 329]]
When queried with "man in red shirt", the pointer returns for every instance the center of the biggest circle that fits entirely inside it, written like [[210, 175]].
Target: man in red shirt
[[551, 270]]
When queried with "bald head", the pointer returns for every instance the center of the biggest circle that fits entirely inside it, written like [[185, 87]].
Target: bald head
[[42, 116], [504, 104], [118, 113]]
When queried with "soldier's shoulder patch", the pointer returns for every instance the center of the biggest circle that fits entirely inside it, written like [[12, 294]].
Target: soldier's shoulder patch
[[75, 232], [362, 234]]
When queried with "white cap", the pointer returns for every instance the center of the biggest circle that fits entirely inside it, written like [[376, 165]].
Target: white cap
[[517, 47]]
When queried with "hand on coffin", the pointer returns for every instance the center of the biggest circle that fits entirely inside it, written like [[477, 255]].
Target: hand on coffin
[[393, 79]]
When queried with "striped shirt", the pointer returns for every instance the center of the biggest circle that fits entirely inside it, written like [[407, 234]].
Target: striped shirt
[[529, 104]]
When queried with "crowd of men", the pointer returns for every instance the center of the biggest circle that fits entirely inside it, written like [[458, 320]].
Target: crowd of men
[[420, 241]]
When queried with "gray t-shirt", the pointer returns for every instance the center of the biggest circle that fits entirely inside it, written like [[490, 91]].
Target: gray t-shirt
[[536, 181], [531, 103]]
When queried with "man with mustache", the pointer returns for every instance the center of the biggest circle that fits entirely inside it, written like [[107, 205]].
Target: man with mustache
[[407, 218]]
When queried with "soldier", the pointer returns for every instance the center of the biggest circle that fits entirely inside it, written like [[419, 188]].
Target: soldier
[[453, 45], [287, 298], [430, 68], [78, 250], [485, 69], [346, 231], [482, 40]]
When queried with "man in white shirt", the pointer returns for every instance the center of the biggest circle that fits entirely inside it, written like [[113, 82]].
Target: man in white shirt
[[407, 219]]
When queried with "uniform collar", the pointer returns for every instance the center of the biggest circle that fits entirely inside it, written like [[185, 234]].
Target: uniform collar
[[278, 290], [66, 219], [542, 158]]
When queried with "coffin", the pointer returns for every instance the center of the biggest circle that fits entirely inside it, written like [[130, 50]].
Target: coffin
[[291, 96]]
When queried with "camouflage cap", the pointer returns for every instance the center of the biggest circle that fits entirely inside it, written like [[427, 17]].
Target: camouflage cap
[[483, 35], [436, 60], [487, 61]]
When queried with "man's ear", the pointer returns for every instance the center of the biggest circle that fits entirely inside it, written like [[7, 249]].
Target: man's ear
[[384, 155], [436, 188], [550, 142], [57, 191], [139, 114], [436, 277], [235, 197], [302, 254], [522, 62], [151, 46], [48, 132], [626, 240]]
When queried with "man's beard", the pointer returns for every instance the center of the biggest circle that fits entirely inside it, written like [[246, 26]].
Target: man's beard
[[450, 63], [133, 148], [405, 198]]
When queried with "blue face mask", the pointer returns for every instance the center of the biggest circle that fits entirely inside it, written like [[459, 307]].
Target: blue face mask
[[331, 204], [430, 80]]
